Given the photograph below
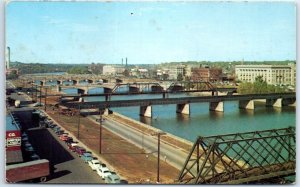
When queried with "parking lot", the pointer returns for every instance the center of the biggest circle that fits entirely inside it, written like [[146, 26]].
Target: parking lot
[[65, 166]]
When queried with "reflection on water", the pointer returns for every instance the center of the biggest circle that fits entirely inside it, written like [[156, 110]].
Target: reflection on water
[[246, 112], [215, 115], [182, 118]]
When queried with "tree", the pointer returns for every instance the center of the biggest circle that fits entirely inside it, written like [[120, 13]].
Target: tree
[[179, 77], [126, 73]]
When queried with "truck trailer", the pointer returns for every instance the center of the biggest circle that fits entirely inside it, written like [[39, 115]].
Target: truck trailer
[[38, 169]]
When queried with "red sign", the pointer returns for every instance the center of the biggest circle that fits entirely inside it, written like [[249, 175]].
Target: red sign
[[13, 140]]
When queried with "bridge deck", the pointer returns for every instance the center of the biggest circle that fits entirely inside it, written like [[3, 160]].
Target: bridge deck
[[182, 100]]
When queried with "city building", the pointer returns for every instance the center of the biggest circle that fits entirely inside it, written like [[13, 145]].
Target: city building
[[109, 70], [206, 74], [272, 74], [113, 70]]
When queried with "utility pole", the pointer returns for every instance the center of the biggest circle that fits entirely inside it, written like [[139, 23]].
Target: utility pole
[[32, 92], [100, 133], [40, 95], [36, 92], [46, 98], [78, 121], [158, 150]]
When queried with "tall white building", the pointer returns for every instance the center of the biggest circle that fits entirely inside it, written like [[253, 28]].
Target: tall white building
[[272, 74]]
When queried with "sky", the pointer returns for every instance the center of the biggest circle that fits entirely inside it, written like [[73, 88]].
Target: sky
[[150, 32]]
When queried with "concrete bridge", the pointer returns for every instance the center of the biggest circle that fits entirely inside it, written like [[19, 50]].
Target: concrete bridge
[[216, 103], [152, 87]]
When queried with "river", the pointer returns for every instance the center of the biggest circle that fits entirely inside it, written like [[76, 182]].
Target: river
[[201, 121]]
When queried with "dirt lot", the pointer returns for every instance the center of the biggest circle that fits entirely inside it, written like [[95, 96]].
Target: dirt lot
[[129, 161]]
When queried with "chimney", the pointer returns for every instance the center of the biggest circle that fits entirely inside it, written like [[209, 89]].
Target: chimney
[[8, 58], [126, 61], [122, 61]]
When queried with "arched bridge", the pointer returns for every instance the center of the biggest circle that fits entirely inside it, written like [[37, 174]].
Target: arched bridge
[[241, 158]]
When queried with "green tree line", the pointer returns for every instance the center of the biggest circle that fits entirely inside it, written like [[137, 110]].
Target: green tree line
[[258, 87]]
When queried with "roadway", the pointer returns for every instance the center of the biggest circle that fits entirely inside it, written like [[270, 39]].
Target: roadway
[[174, 155]]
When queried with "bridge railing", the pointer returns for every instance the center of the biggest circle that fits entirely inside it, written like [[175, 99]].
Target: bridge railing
[[241, 157]]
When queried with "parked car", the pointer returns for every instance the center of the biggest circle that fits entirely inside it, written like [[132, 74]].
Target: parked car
[[113, 178], [103, 172], [60, 132], [25, 138], [94, 164], [52, 126], [35, 157], [80, 151], [27, 144], [102, 165], [69, 140], [86, 157], [24, 134], [29, 149], [57, 128], [64, 137], [37, 104], [72, 146]]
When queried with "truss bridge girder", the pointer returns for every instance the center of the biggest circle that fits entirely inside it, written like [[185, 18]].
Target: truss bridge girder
[[241, 158]]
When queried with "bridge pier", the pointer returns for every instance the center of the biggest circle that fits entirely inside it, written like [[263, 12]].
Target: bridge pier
[[246, 104], [216, 106], [165, 95], [183, 109], [146, 111], [107, 112], [107, 90], [274, 102], [58, 88], [75, 82], [81, 91], [107, 97]]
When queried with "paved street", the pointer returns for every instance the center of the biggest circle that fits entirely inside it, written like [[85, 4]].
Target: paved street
[[149, 143]]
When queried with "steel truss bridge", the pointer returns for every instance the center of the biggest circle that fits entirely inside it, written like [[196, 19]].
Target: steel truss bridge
[[241, 158], [182, 100]]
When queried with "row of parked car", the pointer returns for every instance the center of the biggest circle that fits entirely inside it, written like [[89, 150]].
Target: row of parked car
[[28, 150], [102, 170]]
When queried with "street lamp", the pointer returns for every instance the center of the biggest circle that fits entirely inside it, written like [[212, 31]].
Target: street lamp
[[158, 134]]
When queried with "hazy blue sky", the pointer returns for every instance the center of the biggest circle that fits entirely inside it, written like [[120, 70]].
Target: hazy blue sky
[[150, 32]]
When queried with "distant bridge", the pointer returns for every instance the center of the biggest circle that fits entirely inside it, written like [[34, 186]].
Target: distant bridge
[[241, 158], [150, 88], [183, 103]]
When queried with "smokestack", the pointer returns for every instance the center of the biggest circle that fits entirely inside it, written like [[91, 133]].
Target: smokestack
[[126, 61], [8, 58], [122, 61]]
